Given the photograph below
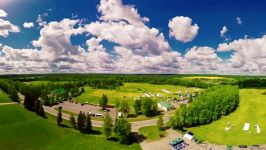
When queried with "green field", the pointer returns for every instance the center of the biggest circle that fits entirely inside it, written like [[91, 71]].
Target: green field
[[251, 109], [22, 130], [4, 98], [128, 91], [152, 133]]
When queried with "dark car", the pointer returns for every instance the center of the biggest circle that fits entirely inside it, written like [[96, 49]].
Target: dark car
[[242, 146]]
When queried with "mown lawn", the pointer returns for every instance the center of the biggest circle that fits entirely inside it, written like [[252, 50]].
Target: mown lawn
[[152, 133], [251, 109], [22, 130], [128, 91], [4, 98]]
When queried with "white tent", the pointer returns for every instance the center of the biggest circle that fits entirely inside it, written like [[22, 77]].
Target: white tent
[[188, 136], [246, 127]]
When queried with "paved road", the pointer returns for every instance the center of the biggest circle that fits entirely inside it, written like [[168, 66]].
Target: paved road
[[134, 125], [54, 112], [11, 103]]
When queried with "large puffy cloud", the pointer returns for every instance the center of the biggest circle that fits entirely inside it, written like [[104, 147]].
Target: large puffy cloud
[[2, 13], [249, 55], [202, 59], [130, 36], [6, 26], [129, 62], [114, 10], [121, 24], [182, 29]]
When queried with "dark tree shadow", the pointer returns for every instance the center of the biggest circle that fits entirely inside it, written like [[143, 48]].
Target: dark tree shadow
[[64, 126], [137, 138]]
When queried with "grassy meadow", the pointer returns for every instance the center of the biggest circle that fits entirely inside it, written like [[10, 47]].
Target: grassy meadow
[[4, 98], [128, 91], [151, 133], [251, 109], [21, 129]]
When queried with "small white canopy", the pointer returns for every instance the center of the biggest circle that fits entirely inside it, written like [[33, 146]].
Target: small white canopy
[[188, 136], [246, 127]]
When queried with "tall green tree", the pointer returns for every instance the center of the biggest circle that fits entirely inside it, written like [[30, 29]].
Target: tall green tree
[[123, 130], [88, 123], [72, 121], [124, 107], [137, 106], [59, 116], [160, 123], [103, 101], [81, 122], [107, 126]]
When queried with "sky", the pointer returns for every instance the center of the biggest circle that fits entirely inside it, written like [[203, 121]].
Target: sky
[[133, 36]]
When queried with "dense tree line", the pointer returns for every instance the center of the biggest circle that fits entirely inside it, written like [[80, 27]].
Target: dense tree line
[[145, 106], [207, 107], [83, 122], [104, 83], [121, 127], [252, 82], [10, 89]]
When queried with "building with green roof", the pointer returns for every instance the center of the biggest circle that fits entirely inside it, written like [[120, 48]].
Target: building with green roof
[[164, 105]]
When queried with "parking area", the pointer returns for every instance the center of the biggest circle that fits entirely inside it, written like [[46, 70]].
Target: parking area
[[86, 108]]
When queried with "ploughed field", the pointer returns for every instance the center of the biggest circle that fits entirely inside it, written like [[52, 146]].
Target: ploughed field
[[21, 129], [251, 110], [129, 91]]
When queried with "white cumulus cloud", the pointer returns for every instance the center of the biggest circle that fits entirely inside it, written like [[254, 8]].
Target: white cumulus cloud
[[182, 29], [28, 25], [223, 31], [2, 13]]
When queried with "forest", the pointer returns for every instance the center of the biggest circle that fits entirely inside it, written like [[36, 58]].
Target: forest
[[209, 106]]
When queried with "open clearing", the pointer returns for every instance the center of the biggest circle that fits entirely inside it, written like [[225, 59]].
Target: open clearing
[[128, 91], [4, 98], [251, 109], [21, 129], [152, 133]]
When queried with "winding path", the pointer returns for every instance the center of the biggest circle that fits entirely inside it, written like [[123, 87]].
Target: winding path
[[134, 125], [11, 103]]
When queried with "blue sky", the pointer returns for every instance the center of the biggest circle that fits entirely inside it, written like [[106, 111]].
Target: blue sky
[[209, 15]]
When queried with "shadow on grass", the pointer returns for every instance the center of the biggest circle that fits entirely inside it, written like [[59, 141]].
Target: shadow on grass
[[64, 126], [138, 138], [92, 132]]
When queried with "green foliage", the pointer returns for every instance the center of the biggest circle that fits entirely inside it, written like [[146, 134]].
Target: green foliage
[[10, 89], [23, 130], [31, 94], [107, 126], [72, 121], [137, 106], [124, 107], [148, 106], [81, 121], [88, 123], [59, 116], [123, 130], [209, 106], [152, 133], [160, 123], [103, 101], [101, 83], [117, 104], [39, 109]]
